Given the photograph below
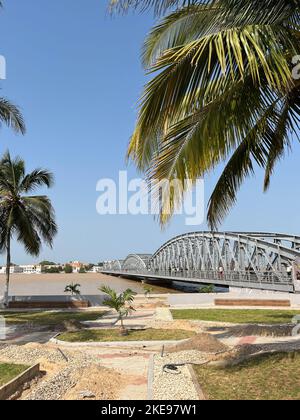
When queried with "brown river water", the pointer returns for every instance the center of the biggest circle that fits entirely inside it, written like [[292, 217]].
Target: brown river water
[[54, 284]]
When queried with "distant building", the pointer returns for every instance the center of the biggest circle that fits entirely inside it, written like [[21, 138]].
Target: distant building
[[96, 269], [77, 266], [31, 269], [14, 269]]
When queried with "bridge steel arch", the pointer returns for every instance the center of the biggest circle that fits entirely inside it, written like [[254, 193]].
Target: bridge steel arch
[[250, 260], [136, 262], [114, 265]]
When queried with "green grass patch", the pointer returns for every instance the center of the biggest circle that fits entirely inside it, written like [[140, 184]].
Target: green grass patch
[[237, 316], [133, 335], [50, 318], [274, 377], [8, 372]]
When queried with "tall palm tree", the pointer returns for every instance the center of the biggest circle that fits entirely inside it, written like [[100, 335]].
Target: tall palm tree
[[223, 92], [27, 218]]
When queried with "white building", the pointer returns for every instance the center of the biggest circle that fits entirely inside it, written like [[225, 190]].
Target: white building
[[31, 269], [96, 269], [14, 269]]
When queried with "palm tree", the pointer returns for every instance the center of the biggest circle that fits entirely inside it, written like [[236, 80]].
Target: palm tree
[[74, 289], [27, 218], [223, 93], [147, 290], [121, 303]]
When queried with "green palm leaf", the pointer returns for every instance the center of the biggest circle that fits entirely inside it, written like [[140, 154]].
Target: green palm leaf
[[222, 92]]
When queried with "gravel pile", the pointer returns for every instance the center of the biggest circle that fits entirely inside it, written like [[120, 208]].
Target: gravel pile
[[177, 385], [38, 354], [23, 354], [55, 388]]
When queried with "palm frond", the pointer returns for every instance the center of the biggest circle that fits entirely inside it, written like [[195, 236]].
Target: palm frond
[[11, 116], [285, 128], [222, 92], [37, 178], [159, 6]]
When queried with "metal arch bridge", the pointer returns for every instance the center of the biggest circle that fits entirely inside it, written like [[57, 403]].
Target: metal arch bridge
[[237, 259]]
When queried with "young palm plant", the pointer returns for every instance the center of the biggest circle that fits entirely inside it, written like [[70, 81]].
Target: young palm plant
[[148, 290], [121, 303], [28, 219], [74, 289], [224, 92]]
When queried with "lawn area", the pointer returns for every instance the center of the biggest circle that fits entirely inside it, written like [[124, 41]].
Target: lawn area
[[274, 377], [237, 316], [114, 335], [49, 317], [9, 372]]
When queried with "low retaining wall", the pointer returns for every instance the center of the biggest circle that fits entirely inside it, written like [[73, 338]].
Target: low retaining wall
[[94, 300], [80, 304], [8, 390], [253, 302], [196, 383]]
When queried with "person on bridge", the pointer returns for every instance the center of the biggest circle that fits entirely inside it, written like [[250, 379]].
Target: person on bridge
[[289, 271]]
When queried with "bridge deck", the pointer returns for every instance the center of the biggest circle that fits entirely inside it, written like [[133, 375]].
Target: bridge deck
[[247, 280]]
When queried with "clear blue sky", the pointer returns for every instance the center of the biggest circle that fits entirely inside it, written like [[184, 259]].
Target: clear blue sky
[[76, 74]]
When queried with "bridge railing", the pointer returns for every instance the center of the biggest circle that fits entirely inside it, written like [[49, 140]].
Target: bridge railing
[[226, 278]]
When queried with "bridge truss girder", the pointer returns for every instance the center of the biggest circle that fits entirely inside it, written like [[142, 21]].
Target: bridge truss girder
[[248, 259]]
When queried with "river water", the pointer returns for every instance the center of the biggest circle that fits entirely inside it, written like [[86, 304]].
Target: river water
[[54, 284]]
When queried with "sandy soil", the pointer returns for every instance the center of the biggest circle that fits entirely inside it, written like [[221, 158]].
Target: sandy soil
[[104, 384], [204, 343]]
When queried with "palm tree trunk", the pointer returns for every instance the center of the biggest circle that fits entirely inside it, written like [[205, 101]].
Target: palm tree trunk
[[122, 324], [8, 264], [123, 330]]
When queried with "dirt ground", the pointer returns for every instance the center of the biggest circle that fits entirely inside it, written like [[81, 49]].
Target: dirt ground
[[201, 342], [104, 384]]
